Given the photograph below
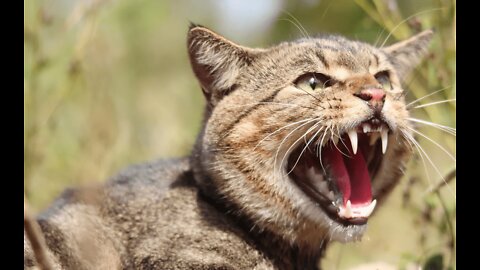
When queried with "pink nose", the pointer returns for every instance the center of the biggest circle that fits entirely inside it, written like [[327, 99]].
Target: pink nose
[[372, 94]]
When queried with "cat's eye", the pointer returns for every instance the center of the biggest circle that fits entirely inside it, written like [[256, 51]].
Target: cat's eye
[[313, 81], [383, 77]]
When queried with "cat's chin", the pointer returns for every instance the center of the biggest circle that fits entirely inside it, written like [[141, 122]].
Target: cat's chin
[[346, 234], [337, 174]]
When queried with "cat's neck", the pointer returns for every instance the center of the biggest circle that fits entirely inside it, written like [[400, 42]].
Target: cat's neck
[[283, 254], [287, 256]]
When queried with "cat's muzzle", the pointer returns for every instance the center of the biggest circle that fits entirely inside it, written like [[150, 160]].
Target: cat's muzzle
[[336, 172]]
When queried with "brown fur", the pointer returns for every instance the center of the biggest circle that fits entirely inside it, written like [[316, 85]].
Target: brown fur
[[230, 205]]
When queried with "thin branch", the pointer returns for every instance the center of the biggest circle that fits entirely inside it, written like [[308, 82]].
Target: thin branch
[[448, 218], [35, 237], [450, 176]]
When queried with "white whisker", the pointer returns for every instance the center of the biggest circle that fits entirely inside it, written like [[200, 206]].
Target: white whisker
[[278, 130], [431, 94], [306, 146], [411, 141], [299, 26], [378, 38], [434, 142], [447, 129], [343, 142], [405, 20], [419, 147], [319, 148], [434, 103], [283, 141]]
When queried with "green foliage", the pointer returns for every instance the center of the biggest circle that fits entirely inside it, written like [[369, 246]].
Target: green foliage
[[434, 262], [108, 83]]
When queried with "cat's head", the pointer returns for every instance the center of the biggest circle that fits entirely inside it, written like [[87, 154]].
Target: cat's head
[[304, 138]]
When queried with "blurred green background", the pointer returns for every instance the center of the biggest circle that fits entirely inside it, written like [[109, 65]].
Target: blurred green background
[[108, 83]]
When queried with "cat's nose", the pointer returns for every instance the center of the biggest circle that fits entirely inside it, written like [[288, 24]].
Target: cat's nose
[[375, 97]]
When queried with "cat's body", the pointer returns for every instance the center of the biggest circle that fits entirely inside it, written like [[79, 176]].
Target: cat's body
[[252, 194], [150, 216]]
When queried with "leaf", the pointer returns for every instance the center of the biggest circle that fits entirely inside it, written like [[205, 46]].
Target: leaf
[[435, 262]]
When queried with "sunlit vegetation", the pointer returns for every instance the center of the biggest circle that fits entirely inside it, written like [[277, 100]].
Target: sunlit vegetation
[[108, 83]]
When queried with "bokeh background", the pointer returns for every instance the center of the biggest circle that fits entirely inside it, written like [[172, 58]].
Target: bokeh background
[[108, 83]]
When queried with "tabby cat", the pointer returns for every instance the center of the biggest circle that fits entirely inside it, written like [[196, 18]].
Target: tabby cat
[[300, 142]]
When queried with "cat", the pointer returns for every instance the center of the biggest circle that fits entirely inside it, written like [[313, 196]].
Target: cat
[[299, 145]]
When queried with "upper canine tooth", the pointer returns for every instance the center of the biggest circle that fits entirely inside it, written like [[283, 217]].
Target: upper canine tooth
[[384, 134], [352, 134]]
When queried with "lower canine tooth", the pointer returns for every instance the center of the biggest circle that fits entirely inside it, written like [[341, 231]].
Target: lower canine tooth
[[362, 211], [368, 211], [346, 211]]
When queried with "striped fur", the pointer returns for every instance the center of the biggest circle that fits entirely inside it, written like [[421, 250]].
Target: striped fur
[[235, 153], [231, 204]]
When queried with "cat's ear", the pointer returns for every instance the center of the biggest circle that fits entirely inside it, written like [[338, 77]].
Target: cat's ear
[[216, 61], [406, 54]]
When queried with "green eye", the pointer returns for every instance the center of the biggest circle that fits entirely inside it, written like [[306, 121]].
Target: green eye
[[313, 82], [383, 77]]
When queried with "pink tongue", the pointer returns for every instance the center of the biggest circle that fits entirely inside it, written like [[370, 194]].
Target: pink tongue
[[350, 174], [359, 179]]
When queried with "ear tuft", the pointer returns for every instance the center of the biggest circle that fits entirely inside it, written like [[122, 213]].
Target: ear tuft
[[406, 54], [216, 61], [193, 25]]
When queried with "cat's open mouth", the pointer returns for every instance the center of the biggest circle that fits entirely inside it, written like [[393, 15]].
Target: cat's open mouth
[[340, 181]]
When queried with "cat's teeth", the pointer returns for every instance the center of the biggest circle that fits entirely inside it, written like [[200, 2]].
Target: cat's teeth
[[369, 209], [330, 195], [366, 128], [352, 212], [384, 134], [311, 173], [314, 176], [376, 129], [346, 212], [352, 134], [322, 187]]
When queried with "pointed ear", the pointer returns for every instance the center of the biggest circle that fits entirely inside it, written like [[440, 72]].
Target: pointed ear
[[406, 54], [216, 61]]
